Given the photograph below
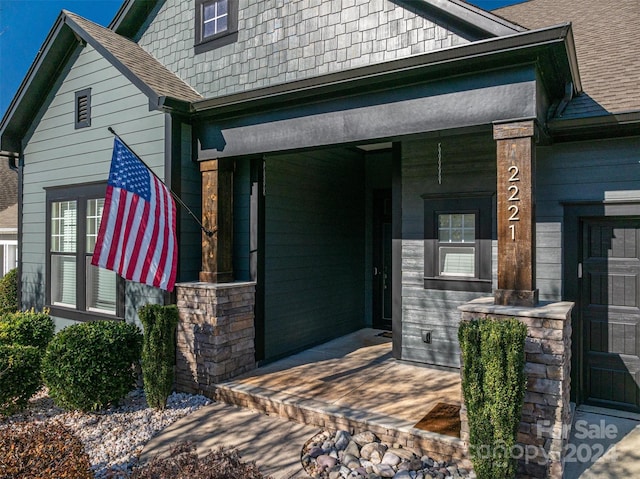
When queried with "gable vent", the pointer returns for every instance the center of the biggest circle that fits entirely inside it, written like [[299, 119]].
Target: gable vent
[[83, 108]]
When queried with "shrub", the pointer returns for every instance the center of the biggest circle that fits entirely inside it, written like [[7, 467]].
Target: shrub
[[42, 450], [183, 463], [9, 292], [493, 385], [88, 366], [27, 328], [19, 376], [158, 352], [23, 339]]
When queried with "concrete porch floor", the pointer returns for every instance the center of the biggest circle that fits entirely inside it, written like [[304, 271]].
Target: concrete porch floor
[[353, 383]]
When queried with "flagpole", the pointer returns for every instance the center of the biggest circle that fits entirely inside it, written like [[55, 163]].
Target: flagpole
[[206, 231]]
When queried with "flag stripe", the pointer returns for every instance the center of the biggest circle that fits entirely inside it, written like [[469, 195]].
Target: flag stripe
[[116, 218], [132, 230], [143, 214], [152, 251]]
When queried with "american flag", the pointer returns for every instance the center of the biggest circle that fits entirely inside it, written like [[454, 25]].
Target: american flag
[[137, 236]]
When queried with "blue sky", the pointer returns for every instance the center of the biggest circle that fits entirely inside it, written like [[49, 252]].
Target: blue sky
[[24, 25]]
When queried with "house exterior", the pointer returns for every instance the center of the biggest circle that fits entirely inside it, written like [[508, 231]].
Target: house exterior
[[8, 217], [364, 162]]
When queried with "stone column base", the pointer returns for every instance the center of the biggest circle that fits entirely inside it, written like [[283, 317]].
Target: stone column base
[[546, 415], [215, 335]]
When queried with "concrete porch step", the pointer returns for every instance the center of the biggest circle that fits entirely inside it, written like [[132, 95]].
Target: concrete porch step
[[331, 416]]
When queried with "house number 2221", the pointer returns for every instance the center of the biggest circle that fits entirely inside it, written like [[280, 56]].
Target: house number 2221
[[513, 192]]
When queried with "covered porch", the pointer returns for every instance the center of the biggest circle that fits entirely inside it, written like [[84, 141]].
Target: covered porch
[[354, 383]]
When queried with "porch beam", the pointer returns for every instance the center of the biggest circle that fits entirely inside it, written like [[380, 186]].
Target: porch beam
[[516, 213], [217, 210]]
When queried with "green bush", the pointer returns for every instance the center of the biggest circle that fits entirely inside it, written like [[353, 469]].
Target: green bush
[[158, 352], [23, 339], [42, 450], [19, 376], [28, 328], [493, 385], [88, 366], [9, 292]]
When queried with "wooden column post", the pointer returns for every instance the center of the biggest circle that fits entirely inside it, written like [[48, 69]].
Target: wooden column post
[[217, 214], [516, 214]]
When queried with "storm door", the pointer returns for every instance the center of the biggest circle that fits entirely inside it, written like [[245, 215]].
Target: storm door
[[610, 312]]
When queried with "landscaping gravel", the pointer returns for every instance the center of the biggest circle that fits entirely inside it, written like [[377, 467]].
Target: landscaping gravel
[[113, 438]]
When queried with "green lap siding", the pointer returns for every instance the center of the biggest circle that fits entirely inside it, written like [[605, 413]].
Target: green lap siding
[[314, 249], [57, 154]]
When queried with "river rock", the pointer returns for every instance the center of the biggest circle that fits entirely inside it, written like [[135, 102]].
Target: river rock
[[342, 439], [384, 470], [326, 461], [368, 450], [390, 459], [365, 437], [353, 449]]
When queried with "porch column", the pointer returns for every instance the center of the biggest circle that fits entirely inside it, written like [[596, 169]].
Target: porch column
[[217, 214], [516, 214]]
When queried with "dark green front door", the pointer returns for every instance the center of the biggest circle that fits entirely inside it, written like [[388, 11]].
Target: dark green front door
[[382, 259], [610, 312]]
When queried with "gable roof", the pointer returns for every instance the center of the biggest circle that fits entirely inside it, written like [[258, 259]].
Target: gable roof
[[607, 47], [142, 67], [163, 87]]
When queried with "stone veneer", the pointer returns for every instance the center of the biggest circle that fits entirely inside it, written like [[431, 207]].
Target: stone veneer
[[215, 335], [546, 414]]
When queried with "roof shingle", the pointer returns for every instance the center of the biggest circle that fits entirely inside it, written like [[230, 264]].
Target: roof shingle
[[607, 46], [155, 75]]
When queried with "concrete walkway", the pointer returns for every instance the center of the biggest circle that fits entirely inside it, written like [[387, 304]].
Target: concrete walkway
[[273, 443], [603, 446]]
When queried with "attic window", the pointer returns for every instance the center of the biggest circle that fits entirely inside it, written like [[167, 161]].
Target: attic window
[[216, 23], [83, 108]]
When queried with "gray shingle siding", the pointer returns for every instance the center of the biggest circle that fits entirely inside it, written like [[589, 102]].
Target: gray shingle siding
[[467, 164], [281, 41]]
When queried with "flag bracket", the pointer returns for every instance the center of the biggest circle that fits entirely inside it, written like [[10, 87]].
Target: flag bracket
[[206, 231]]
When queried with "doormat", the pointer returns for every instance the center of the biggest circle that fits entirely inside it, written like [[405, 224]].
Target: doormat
[[443, 418], [386, 334]]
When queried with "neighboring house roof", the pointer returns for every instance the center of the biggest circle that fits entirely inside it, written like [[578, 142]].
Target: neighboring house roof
[[607, 47], [8, 196], [9, 218], [163, 87]]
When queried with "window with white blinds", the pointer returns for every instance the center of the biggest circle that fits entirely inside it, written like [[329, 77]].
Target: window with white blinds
[[78, 289], [101, 283], [64, 216]]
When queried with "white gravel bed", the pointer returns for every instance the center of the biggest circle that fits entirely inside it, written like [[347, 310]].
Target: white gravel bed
[[113, 438]]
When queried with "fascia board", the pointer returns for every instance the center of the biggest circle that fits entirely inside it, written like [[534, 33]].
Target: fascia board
[[476, 17], [111, 58]]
